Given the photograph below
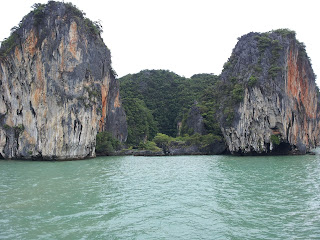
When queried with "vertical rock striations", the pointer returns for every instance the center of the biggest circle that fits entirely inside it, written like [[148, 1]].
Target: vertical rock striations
[[276, 108], [57, 87]]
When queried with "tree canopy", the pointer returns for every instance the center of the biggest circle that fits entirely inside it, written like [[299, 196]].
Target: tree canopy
[[164, 95]]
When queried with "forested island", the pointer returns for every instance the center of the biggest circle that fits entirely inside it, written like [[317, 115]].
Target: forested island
[[61, 99]]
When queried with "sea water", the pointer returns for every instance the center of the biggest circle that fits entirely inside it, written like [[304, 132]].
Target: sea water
[[174, 197]]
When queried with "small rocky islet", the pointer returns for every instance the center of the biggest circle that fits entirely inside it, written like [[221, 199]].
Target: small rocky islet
[[60, 97]]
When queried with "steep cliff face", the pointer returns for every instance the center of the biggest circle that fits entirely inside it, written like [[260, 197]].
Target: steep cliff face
[[277, 104], [57, 87]]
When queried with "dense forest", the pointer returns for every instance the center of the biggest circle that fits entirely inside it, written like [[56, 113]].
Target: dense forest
[[160, 101]]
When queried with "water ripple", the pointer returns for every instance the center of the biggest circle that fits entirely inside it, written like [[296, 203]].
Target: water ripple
[[185, 197]]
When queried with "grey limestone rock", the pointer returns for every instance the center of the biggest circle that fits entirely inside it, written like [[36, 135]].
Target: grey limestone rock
[[279, 111], [57, 87]]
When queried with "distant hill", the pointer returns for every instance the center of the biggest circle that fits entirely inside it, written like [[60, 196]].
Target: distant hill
[[164, 98]]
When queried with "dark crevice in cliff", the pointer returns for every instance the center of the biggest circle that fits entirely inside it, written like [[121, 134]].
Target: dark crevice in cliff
[[19, 111], [75, 125], [32, 110], [292, 118], [102, 69], [80, 132], [87, 75]]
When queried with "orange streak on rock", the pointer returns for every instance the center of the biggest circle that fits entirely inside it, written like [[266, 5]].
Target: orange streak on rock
[[39, 73], [104, 94], [86, 43], [73, 35], [117, 101], [39, 93], [17, 54], [298, 85], [61, 52], [31, 43], [276, 132], [36, 97]]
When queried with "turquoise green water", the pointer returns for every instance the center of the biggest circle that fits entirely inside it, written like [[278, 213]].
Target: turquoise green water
[[184, 197]]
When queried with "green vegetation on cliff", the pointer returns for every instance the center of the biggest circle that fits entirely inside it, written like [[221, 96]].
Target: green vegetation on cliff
[[156, 100], [106, 144], [159, 92], [140, 120], [171, 113]]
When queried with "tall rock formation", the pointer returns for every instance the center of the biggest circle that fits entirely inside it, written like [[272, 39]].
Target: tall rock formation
[[57, 87], [272, 86]]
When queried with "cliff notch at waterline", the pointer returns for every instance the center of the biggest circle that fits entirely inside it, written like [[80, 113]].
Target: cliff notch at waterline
[[58, 88]]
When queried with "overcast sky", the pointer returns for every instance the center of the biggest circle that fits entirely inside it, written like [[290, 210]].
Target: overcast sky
[[184, 36]]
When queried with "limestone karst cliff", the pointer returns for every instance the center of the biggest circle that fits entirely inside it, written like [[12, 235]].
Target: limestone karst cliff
[[273, 105], [57, 87]]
